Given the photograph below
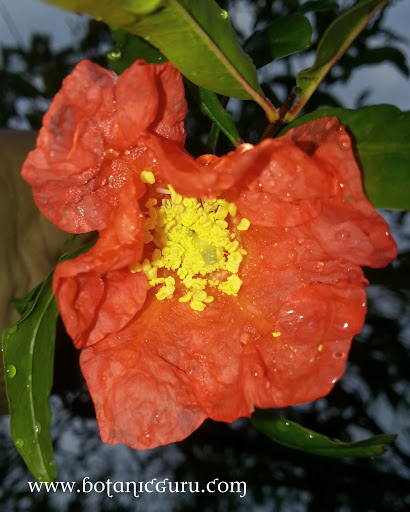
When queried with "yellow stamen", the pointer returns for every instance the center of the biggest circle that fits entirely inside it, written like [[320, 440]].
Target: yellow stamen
[[147, 177], [192, 238]]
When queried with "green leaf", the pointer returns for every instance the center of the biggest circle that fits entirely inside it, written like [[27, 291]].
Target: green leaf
[[195, 35], [283, 37], [211, 107], [129, 48], [28, 352], [28, 355], [381, 140], [22, 303], [338, 37], [294, 436]]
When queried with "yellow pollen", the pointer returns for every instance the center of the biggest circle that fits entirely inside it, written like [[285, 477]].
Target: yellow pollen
[[276, 334], [243, 225], [320, 348], [191, 238], [147, 177]]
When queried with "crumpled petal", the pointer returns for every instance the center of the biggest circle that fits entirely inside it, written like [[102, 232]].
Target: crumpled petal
[[94, 118], [96, 293], [157, 369]]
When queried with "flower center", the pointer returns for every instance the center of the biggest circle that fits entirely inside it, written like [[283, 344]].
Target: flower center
[[193, 239]]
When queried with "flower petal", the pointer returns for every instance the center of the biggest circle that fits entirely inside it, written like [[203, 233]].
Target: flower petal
[[70, 149], [96, 293], [141, 396]]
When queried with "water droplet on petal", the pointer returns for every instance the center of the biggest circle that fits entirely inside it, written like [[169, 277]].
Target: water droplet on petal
[[11, 371], [318, 266], [266, 198], [338, 355], [301, 241], [244, 338], [292, 255], [342, 235], [344, 141]]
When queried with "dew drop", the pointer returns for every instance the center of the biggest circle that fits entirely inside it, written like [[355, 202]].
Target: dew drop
[[103, 181], [19, 443], [11, 371], [301, 241], [224, 14], [266, 198], [311, 436], [244, 338], [292, 255], [283, 426], [338, 355], [318, 266], [345, 141], [38, 427], [12, 329], [114, 55], [334, 381], [342, 235], [112, 153]]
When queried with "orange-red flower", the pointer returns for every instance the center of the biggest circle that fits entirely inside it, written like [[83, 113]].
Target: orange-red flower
[[188, 309]]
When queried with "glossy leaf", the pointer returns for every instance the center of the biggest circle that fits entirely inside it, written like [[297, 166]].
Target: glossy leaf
[[283, 37], [28, 352], [28, 355], [294, 436], [129, 48], [380, 135], [211, 107], [195, 35], [335, 41]]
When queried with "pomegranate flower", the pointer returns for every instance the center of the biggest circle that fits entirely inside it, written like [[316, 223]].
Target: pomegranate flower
[[217, 284]]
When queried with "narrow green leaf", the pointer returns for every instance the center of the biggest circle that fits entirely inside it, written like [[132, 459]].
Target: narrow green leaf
[[195, 35], [28, 352], [28, 356], [335, 41], [380, 135], [129, 48], [211, 107], [294, 436], [22, 303], [283, 37]]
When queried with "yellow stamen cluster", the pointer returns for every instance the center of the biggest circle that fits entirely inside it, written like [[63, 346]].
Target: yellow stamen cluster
[[192, 238]]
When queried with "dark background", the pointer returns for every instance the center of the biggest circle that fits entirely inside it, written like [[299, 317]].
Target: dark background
[[373, 396]]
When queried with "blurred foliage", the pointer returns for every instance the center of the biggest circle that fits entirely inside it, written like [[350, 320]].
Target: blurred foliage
[[30, 77]]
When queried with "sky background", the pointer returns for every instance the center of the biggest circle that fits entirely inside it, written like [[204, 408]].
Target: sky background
[[20, 18]]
